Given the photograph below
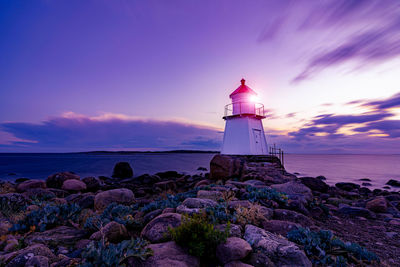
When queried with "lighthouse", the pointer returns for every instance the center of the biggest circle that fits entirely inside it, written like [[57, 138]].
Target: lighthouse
[[244, 132]]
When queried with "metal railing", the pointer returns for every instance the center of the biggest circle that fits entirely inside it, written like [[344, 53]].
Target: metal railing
[[277, 152], [244, 108]]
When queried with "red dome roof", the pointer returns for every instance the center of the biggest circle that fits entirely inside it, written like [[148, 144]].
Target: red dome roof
[[243, 89]]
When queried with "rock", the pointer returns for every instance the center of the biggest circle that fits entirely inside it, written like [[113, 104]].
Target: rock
[[202, 169], [214, 195], [255, 183], [81, 244], [202, 183], [224, 167], [237, 264], [195, 205], [314, 184], [233, 249], [113, 232], [37, 261], [73, 185], [234, 230], [152, 214], [85, 201], [59, 236], [170, 254], [292, 216], [12, 244], [120, 196], [166, 185], [366, 184], [393, 183], [169, 174], [4, 226], [148, 179], [234, 204], [365, 179], [355, 211], [57, 180], [122, 170], [157, 229], [30, 184], [20, 257], [377, 204], [277, 249], [294, 189], [92, 184], [279, 227], [347, 186]]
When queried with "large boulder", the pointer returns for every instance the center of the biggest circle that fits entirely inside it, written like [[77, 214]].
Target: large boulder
[[157, 229], [112, 231], [394, 183], [294, 189], [37, 261], [195, 205], [59, 236], [315, 184], [85, 201], [170, 254], [355, 211], [20, 257], [224, 167], [122, 170], [279, 227], [276, 248], [120, 196], [233, 249], [92, 183], [378, 204], [73, 185], [56, 180], [347, 186], [214, 195], [30, 184], [292, 216]]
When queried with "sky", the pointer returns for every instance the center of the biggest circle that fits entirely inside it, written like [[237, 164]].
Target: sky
[[155, 75]]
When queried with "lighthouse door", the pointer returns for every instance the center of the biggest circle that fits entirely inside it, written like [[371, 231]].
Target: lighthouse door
[[257, 141]]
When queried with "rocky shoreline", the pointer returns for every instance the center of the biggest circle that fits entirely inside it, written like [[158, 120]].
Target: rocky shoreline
[[247, 211]]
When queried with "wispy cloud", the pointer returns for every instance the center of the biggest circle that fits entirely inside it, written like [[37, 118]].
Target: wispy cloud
[[110, 131]]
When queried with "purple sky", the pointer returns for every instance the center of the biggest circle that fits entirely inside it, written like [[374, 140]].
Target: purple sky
[[155, 75]]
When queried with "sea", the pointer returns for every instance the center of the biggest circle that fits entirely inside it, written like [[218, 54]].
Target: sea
[[336, 168]]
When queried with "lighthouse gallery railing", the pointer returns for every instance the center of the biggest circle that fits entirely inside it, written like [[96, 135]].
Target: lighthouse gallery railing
[[244, 108]]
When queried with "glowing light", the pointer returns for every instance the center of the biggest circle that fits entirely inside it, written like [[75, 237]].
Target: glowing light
[[254, 98]]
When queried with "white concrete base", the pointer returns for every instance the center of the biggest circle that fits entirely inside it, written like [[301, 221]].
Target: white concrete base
[[244, 136]]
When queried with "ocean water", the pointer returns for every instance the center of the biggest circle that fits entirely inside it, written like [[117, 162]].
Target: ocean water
[[336, 168]]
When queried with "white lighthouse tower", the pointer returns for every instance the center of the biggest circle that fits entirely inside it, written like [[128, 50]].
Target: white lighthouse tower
[[244, 132]]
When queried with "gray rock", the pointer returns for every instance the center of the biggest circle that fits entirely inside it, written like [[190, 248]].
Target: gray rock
[[122, 170], [213, 195], [92, 184], [294, 189], [279, 227], [378, 204], [292, 216], [20, 257], [37, 261], [195, 205], [120, 196], [30, 184], [169, 254], [112, 231], [233, 249], [277, 249], [347, 186], [355, 211], [62, 235], [73, 185], [237, 264], [56, 180], [157, 229], [315, 184], [234, 230]]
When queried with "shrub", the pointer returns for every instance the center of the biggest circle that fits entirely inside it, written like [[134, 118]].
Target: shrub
[[10, 208], [198, 236], [323, 248], [47, 217], [219, 214], [255, 194], [99, 254], [172, 201], [250, 215], [114, 212]]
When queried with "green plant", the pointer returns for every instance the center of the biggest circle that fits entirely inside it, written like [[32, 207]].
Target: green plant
[[10, 207], [255, 194], [99, 254], [323, 248], [171, 201], [199, 236], [114, 212], [47, 217], [219, 214]]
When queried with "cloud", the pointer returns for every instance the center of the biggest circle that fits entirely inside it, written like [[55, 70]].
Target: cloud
[[73, 132], [360, 31], [391, 102]]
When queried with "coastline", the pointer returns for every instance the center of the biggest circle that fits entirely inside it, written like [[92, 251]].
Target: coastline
[[254, 197]]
